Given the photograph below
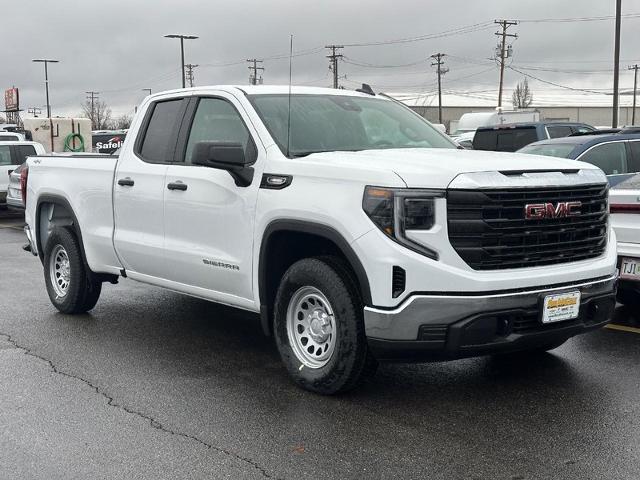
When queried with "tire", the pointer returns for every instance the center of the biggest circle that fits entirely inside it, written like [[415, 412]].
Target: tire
[[318, 300], [72, 288]]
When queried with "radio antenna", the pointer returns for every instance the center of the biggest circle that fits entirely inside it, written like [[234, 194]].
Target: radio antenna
[[289, 100]]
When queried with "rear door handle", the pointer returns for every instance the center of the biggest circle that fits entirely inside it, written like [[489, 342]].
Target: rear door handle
[[126, 182], [177, 186]]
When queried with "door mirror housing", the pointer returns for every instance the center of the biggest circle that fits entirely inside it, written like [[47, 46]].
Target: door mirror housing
[[224, 156]]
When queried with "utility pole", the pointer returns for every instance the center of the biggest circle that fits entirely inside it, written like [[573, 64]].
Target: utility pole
[[635, 90], [35, 111], [441, 71], [616, 65], [333, 61], [46, 61], [182, 39], [93, 96], [190, 78], [505, 52], [253, 69]]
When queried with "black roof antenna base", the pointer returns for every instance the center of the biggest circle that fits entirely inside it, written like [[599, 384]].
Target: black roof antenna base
[[366, 88]]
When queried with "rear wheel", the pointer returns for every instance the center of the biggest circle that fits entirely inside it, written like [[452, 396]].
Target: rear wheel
[[319, 327], [72, 288]]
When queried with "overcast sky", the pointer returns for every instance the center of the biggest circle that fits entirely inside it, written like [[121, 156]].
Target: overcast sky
[[117, 47]]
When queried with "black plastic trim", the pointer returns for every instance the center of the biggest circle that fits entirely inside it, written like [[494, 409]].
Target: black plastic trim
[[320, 230], [57, 200]]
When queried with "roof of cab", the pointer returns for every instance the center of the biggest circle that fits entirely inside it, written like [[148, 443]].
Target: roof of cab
[[267, 90]]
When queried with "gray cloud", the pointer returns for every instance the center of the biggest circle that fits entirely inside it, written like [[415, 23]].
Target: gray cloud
[[117, 47]]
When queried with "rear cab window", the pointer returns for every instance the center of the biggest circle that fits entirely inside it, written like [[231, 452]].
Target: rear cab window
[[505, 139], [559, 131], [157, 141]]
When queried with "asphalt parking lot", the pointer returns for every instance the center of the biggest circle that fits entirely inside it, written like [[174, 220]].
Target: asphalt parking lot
[[153, 384]]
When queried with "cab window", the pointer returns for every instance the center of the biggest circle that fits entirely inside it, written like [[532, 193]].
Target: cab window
[[216, 120], [611, 158]]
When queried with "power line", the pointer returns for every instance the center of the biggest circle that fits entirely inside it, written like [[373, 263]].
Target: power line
[[635, 90], [566, 87], [92, 96], [440, 71], [505, 52], [191, 79], [334, 57], [577, 19], [253, 69]]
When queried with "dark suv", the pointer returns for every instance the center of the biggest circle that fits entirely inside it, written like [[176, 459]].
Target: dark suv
[[512, 137]]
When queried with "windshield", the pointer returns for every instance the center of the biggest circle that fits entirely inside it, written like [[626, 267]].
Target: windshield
[[327, 123], [561, 150]]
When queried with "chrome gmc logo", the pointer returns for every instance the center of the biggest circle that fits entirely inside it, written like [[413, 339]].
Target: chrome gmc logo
[[538, 211]]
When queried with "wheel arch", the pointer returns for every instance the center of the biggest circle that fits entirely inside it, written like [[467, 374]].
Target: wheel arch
[[270, 270], [59, 213]]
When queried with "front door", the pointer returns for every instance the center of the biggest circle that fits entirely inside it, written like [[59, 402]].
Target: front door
[[209, 219]]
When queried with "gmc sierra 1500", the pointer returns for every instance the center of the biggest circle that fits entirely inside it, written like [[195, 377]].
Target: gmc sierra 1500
[[355, 228]]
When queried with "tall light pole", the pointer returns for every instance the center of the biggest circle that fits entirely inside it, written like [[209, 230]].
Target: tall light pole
[[147, 90], [182, 39], [46, 61]]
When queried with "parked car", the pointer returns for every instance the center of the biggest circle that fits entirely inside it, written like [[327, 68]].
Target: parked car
[[107, 141], [510, 138], [624, 205], [357, 230], [11, 137], [617, 155], [470, 122], [12, 155]]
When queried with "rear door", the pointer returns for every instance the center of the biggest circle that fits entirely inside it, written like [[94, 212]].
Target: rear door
[[6, 165], [139, 189], [209, 220]]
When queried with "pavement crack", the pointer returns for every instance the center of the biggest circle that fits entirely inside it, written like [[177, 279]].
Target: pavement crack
[[152, 421]]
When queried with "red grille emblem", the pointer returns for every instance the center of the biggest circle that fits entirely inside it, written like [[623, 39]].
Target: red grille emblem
[[539, 211]]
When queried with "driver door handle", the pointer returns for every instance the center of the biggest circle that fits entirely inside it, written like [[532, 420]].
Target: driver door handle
[[177, 186], [126, 182]]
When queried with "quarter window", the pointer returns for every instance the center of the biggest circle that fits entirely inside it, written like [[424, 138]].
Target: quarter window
[[558, 131], [611, 158], [216, 120]]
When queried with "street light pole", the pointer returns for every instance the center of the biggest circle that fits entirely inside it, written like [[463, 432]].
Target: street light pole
[[46, 61], [616, 65], [182, 39]]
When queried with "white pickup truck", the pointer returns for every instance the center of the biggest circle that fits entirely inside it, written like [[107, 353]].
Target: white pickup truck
[[357, 230]]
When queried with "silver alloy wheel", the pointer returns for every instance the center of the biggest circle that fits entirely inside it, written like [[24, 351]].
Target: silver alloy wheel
[[311, 327], [59, 270]]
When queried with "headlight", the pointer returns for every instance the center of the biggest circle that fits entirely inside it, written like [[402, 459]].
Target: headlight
[[396, 210]]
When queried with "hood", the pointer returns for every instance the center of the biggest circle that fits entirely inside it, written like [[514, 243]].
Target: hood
[[437, 167]]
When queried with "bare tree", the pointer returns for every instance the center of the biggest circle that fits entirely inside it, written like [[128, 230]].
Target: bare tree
[[122, 122], [99, 114], [522, 96], [2, 119]]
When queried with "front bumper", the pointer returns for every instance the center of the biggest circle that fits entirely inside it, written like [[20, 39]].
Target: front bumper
[[456, 326]]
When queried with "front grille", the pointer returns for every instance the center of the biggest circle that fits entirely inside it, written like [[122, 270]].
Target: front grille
[[489, 231]]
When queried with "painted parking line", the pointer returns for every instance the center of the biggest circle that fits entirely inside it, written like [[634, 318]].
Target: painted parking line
[[622, 328]]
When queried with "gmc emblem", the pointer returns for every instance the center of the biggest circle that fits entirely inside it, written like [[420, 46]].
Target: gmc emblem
[[538, 211]]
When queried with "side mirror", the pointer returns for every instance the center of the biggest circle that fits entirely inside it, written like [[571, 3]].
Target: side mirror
[[224, 156]]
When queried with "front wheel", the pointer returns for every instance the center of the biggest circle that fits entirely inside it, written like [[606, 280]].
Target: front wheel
[[72, 288], [319, 326]]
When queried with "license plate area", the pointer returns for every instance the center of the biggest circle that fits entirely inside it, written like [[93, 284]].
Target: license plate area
[[560, 307], [630, 268]]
